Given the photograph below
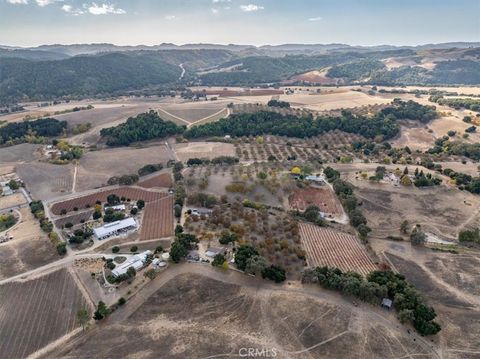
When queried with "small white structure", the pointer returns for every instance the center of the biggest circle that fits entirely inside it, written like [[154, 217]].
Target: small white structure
[[6, 191], [316, 179], [157, 263], [115, 228], [137, 261], [213, 251], [117, 208], [165, 256]]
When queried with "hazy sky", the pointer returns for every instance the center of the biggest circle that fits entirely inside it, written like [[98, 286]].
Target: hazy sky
[[124, 22]]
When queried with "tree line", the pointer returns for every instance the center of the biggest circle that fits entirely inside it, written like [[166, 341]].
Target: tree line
[[383, 124], [17, 132], [145, 126], [411, 307]]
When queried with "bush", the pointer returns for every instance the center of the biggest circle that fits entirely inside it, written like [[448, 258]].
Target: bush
[[122, 301], [275, 273], [218, 260], [115, 249], [133, 249]]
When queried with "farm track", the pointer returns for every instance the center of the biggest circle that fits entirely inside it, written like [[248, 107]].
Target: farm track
[[327, 247], [47, 302], [157, 219]]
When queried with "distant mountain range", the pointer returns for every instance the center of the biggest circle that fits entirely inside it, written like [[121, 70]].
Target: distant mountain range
[[84, 70], [48, 52]]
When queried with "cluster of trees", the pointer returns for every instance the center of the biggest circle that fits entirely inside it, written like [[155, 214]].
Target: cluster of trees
[[410, 110], [37, 209], [150, 168], [464, 181], [357, 70], [457, 148], [221, 160], [227, 237], [312, 214], [469, 236], [344, 191], [422, 180], [17, 132], [248, 259], [180, 192], [112, 216], [274, 123], [458, 103], [409, 304], [80, 235], [7, 221], [202, 200], [183, 243], [126, 180], [383, 124], [145, 126], [277, 103]]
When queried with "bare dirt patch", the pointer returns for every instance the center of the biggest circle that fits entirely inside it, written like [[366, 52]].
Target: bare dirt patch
[[322, 197], [45, 180], [243, 317], [184, 151], [30, 247], [24, 152], [15, 199], [98, 166]]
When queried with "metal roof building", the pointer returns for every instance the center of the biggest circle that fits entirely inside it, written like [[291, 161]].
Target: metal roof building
[[115, 228], [137, 261]]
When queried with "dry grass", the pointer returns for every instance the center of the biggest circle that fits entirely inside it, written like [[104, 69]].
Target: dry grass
[[184, 151]]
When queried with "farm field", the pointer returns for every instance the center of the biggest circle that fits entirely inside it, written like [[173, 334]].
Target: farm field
[[327, 147], [331, 99], [30, 247], [37, 312], [98, 166], [157, 180], [45, 180], [24, 152], [246, 315], [184, 151], [326, 247], [90, 199], [193, 111], [157, 219], [322, 197]]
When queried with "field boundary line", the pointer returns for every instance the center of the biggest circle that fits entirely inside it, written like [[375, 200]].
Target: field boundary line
[[172, 115], [209, 116]]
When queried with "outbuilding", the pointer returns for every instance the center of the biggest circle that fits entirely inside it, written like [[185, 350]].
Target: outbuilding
[[115, 228], [136, 261]]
